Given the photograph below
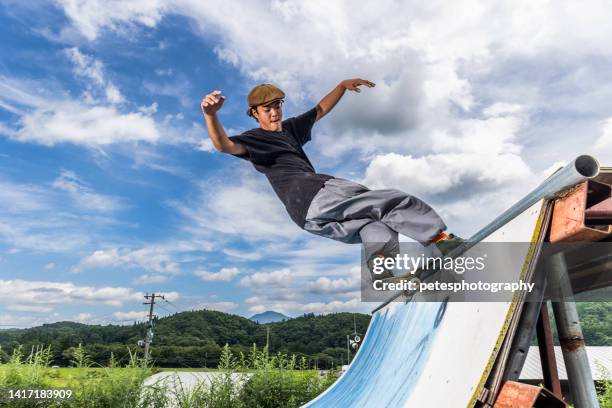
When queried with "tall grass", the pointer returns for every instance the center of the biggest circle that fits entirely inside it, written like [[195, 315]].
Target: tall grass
[[257, 380], [110, 386], [280, 381], [604, 387]]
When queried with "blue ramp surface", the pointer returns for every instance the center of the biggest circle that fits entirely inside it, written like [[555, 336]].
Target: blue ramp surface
[[381, 379]]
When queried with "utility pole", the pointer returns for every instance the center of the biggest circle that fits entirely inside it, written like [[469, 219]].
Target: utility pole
[[268, 338], [149, 325]]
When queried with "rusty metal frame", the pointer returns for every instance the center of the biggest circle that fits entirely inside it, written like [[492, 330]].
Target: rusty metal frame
[[519, 395], [547, 352], [583, 214]]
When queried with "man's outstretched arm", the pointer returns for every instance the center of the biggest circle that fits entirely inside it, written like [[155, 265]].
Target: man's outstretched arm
[[210, 105], [331, 99]]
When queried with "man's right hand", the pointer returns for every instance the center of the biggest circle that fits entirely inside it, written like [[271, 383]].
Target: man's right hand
[[212, 103]]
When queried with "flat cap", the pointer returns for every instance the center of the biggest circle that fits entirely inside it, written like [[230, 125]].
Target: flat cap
[[263, 93]]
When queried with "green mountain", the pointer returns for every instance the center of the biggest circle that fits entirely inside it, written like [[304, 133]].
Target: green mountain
[[195, 338]]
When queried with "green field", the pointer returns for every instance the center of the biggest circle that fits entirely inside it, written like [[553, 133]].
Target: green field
[[273, 381]]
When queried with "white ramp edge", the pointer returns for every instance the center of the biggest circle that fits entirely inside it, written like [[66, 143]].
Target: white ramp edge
[[433, 354]]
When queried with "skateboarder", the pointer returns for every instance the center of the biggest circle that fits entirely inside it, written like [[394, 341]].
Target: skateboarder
[[319, 203]]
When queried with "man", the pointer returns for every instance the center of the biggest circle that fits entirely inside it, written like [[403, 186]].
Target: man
[[319, 203]]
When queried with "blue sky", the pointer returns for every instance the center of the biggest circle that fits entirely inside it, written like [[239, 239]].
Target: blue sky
[[110, 188]]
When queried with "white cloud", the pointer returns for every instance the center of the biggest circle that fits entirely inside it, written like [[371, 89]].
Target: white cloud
[[93, 69], [49, 266], [149, 110], [503, 109], [491, 136], [293, 307], [281, 277], [205, 145], [41, 236], [219, 306], [49, 294], [224, 275], [84, 196], [136, 315], [246, 255], [440, 173], [29, 308], [147, 279], [22, 198], [84, 317], [90, 16], [340, 285], [51, 116], [99, 259], [18, 320], [316, 250], [71, 122], [155, 259], [36, 217], [249, 210], [178, 88], [603, 145], [354, 305], [258, 309], [473, 155], [164, 72], [48, 118]]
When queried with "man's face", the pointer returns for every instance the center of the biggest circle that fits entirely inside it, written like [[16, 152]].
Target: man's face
[[270, 116]]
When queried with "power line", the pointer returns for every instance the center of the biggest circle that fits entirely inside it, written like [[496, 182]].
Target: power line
[[168, 311], [184, 308], [174, 306]]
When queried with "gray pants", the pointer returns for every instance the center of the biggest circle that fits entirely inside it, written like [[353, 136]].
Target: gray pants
[[352, 213]]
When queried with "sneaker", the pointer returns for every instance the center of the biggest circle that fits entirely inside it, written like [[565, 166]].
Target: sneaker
[[448, 244], [440, 247]]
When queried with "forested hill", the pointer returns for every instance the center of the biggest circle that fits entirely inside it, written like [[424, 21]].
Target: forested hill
[[194, 338]]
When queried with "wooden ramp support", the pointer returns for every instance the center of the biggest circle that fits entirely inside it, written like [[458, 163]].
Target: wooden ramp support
[[519, 395]]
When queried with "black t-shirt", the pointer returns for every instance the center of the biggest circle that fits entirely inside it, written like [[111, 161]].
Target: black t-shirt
[[279, 155]]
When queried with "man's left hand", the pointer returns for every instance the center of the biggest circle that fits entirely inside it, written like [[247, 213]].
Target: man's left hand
[[354, 84]]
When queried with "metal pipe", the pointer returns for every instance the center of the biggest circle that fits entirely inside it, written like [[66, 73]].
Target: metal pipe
[[584, 167], [579, 374]]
